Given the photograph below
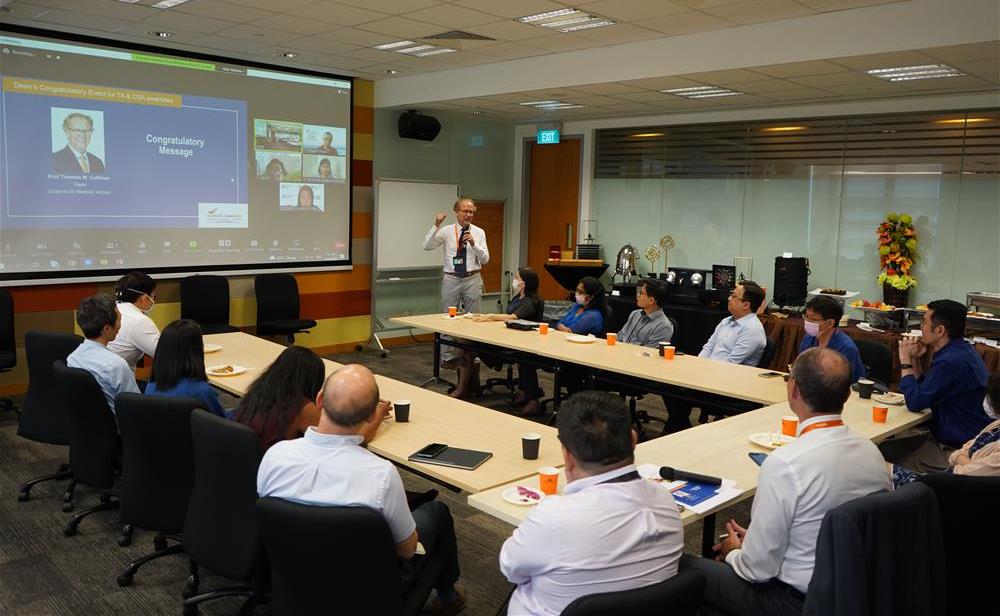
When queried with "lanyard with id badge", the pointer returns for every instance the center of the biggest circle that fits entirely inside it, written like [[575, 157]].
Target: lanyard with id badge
[[458, 261]]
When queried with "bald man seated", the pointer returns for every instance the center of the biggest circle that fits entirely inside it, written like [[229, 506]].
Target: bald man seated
[[330, 467]]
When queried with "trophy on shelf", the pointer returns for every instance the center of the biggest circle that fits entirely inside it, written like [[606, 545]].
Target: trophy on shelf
[[667, 244], [653, 256]]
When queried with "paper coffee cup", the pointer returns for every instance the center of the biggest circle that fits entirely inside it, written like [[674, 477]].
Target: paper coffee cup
[[401, 410], [543, 328], [452, 311], [865, 388], [529, 445], [880, 414], [548, 479], [612, 338], [789, 425], [667, 351]]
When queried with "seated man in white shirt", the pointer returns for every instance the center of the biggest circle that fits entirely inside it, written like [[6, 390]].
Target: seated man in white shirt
[[766, 567], [138, 336], [610, 530], [100, 321], [329, 467], [737, 339]]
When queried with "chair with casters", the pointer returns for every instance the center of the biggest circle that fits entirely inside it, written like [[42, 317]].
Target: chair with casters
[[300, 539], [507, 359], [679, 595], [44, 417], [724, 408], [94, 445], [642, 418], [220, 529], [205, 299], [278, 307], [157, 471], [8, 343], [877, 358]]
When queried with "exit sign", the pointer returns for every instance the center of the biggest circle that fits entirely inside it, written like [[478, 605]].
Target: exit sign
[[548, 136]]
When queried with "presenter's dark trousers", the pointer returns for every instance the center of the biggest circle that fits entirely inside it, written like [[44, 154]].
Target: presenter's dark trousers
[[438, 569]]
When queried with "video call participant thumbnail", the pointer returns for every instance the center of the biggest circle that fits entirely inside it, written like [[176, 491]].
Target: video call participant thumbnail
[[74, 158]]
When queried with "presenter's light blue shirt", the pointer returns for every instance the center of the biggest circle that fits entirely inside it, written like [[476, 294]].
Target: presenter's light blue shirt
[[843, 344], [191, 388], [737, 341], [111, 371]]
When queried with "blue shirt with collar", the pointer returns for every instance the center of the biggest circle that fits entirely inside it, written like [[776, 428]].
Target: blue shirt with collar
[[111, 371], [953, 388], [737, 341], [191, 388], [843, 344], [590, 321]]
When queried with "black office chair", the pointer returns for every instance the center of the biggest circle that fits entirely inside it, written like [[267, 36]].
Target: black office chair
[[220, 530], [642, 418], [157, 471], [508, 359], [44, 417], [8, 343], [679, 595], [770, 348], [734, 407], [877, 358], [348, 551], [205, 299], [278, 307], [968, 506], [94, 445]]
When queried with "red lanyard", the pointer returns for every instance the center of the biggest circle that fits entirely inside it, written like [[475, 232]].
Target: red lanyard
[[833, 423]]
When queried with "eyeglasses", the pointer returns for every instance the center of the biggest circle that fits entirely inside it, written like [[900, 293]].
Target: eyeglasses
[[643, 292], [81, 130]]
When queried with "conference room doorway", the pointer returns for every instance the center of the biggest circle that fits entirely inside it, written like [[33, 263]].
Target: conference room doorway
[[553, 189]]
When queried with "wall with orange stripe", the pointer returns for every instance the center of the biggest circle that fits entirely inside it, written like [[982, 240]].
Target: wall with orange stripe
[[339, 301]]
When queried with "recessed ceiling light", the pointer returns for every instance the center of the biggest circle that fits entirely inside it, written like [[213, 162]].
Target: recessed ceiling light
[[701, 92], [962, 121], [909, 73], [587, 26], [160, 34], [397, 44], [391, 71], [128, 1], [536, 103], [783, 129], [643, 135], [287, 54], [528, 19], [478, 112], [166, 4], [411, 48], [434, 52]]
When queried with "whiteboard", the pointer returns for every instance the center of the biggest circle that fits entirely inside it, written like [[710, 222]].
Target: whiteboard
[[404, 211]]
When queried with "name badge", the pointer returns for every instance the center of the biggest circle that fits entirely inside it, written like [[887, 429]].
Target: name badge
[[457, 260]]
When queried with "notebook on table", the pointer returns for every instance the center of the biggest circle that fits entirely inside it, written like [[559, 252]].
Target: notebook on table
[[468, 459]]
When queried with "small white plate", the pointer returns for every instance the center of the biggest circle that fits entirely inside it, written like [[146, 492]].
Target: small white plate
[[513, 496], [212, 348], [581, 339], [217, 370], [868, 328], [889, 397], [770, 440]]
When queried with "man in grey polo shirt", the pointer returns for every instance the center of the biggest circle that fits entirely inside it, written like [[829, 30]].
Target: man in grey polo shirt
[[647, 325]]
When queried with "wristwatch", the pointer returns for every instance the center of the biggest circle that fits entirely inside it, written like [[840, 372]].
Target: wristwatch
[[906, 366]]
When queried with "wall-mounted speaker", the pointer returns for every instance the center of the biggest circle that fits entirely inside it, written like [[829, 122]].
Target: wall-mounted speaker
[[413, 125], [791, 281]]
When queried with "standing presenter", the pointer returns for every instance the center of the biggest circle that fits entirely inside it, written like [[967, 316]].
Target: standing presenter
[[465, 253]]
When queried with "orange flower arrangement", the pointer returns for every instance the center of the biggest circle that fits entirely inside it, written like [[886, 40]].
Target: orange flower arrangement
[[897, 249]]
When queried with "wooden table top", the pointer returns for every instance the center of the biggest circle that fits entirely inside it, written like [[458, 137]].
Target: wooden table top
[[718, 448], [732, 380], [433, 418]]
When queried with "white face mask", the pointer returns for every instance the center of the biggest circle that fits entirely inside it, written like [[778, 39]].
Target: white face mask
[[988, 408], [812, 329], [516, 286], [581, 299]]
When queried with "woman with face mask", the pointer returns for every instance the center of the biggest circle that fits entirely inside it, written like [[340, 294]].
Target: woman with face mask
[[138, 336], [820, 319], [525, 304], [585, 317], [980, 455]]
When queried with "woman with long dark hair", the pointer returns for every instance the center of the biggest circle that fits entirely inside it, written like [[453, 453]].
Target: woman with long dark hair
[[281, 403], [179, 369], [525, 304], [135, 293]]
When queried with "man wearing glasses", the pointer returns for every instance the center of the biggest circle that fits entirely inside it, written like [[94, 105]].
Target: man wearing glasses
[[74, 158]]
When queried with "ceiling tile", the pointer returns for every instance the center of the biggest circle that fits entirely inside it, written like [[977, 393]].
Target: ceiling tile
[[987, 69], [957, 53], [357, 37], [884, 60], [510, 50], [632, 10], [799, 69], [755, 11], [392, 7], [965, 82], [606, 88], [449, 16], [663, 83], [23, 10], [339, 62], [221, 10], [834, 80], [767, 85], [686, 23], [252, 33], [511, 8], [109, 8], [401, 27], [836, 5], [620, 33], [270, 5], [721, 78], [796, 94], [166, 20], [320, 45], [702, 4], [561, 42], [641, 97], [82, 20], [506, 30], [334, 13], [298, 25]]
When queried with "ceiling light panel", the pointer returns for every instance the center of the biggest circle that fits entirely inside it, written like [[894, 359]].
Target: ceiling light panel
[[166, 4], [566, 20], [548, 15], [910, 73], [696, 92], [411, 48]]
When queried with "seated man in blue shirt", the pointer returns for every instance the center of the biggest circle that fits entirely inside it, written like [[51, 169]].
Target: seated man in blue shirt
[[952, 386], [99, 319], [737, 339], [822, 314]]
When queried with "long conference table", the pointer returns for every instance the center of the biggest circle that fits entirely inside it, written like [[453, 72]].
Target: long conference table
[[434, 418], [684, 371]]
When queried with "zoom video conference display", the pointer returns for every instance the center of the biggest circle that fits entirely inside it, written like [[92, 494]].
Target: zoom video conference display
[[114, 159]]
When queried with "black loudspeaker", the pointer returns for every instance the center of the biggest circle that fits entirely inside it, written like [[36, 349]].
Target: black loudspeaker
[[791, 281], [412, 125]]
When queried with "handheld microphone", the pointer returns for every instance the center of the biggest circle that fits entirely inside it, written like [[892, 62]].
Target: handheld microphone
[[465, 230], [672, 474]]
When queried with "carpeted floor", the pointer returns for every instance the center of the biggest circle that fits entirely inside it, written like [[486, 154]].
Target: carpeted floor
[[42, 572]]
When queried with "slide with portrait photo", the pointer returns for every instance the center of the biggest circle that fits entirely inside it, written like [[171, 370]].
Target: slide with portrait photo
[[119, 158]]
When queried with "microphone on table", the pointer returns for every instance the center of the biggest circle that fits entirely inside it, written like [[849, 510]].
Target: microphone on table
[[672, 474]]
